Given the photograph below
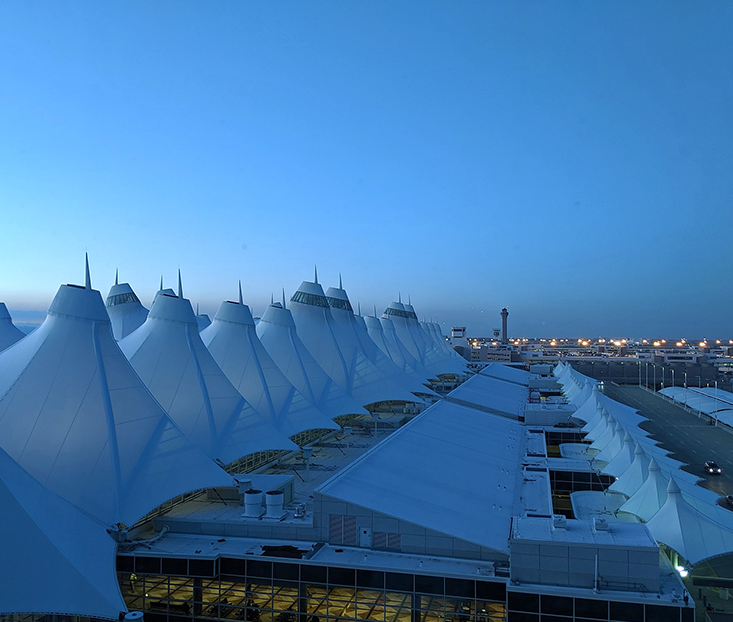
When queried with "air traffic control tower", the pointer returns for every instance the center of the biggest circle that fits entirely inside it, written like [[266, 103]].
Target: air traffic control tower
[[504, 316]]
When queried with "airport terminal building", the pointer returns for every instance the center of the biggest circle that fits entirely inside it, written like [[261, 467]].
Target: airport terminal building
[[309, 465]]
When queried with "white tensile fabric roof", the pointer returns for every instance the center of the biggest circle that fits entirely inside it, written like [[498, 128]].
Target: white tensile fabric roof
[[337, 352], [376, 333], [354, 332], [173, 362], [397, 351], [694, 535], [493, 395], [505, 372], [75, 415], [425, 474], [277, 333], [233, 342], [632, 478], [55, 559], [409, 332], [9, 332], [125, 310]]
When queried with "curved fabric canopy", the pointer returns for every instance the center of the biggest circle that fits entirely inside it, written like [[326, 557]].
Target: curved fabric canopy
[[75, 415], [338, 353], [55, 559], [352, 332], [409, 332], [632, 478], [650, 496], [694, 535], [9, 332], [398, 352], [277, 333], [233, 342], [173, 362], [125, 310]]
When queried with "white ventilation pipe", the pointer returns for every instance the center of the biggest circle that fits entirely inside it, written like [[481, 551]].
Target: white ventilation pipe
[[253, 503], [274, 502]]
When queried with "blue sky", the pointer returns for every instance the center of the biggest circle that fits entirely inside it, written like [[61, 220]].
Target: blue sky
[[570, 160]]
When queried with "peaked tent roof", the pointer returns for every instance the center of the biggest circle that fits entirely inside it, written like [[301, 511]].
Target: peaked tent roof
[[173, 362], [425, 474], [397, 350], [650, 496], [354, 332], [337, 352], [623, 458], [125, 310], [376, 333], [277, 333], [9, 332], [694, 535], [55, 558], [233, 342], [75, 415], [506, 373], [632, 478], [408, 331]]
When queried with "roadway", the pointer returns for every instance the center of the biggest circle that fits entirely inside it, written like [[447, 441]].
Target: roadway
[[688, 438]]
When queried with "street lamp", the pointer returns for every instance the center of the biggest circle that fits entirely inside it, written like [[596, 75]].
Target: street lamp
[[672, 377]]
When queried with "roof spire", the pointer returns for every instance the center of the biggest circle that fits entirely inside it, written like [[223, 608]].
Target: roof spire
[[272, 298], [399, 297], [358, 308], [161, 283], [117, 276], [180, 285], [241, 300], [197, 308], [284, 307], [375, 311], [315, 272], [87, 277], [409, 299], [341, 285]]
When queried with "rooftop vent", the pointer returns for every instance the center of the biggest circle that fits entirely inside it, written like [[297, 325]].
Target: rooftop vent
[[559, 521], [600, 524]]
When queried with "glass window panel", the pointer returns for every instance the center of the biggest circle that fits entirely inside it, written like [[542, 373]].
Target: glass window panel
[[147, 565], [173, 566], [660, 613], [586, 608], [487, 590], [524, 602], [259, 569], [232, 567], [429, 585], [370, 578], [460, 587], [557, 605], [399, 581], [627, 612], [315, 574], [341, 576]]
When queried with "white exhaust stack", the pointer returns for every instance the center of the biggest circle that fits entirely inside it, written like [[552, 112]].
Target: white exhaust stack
[[274, 502], [252, 503]]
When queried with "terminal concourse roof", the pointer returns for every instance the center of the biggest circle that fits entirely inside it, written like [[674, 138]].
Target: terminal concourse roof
[[451, 469]]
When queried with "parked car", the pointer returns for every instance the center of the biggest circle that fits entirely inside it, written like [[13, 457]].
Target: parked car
[[729, 500], [712, 468]]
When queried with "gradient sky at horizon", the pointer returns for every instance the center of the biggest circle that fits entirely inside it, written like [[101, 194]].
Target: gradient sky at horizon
[[571, 161]]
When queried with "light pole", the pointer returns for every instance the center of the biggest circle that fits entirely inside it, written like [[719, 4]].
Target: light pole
[[654, 372], [662, 375], [638, 364], [717, 406], [672, 377], [646, 370], [685, 380]]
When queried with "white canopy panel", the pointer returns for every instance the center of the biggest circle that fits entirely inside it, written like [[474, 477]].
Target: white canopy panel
[[277, 333], [233, 342], [354, 332], [173, 362], [55, 559], [337, 352], [125, 310], [75, 415], [425, 474], [507, 373], [694, 535], [497, 396], [9, 332]]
